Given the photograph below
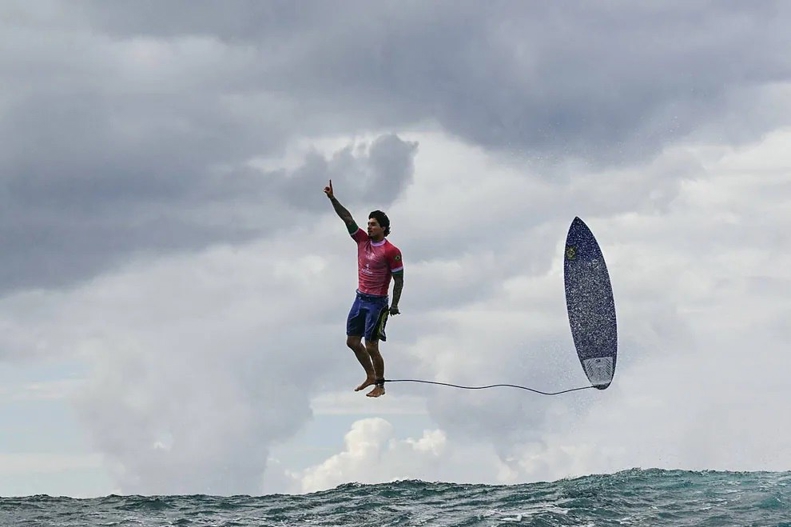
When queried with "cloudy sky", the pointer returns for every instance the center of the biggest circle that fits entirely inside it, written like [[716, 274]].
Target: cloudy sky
[[174, 284]]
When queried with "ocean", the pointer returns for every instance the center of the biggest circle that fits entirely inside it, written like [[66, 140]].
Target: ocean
[[628, 498]]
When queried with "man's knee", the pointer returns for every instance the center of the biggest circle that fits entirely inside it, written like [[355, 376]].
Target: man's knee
[[372, 346], [353, 341]]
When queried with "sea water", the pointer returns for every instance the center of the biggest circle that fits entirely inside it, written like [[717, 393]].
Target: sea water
[[629, 498]]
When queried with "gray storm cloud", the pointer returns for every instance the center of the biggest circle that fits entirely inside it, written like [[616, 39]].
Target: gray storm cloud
[[117, 118], [61, 228], [363, 174], [609, 83]]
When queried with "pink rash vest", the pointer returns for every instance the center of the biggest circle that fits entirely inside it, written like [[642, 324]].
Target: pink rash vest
[[376, 263]]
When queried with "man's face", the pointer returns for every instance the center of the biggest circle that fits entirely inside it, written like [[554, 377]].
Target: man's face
[[374, 229]]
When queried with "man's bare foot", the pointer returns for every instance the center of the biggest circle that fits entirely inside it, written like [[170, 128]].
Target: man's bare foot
[[368, 382], [376, 392]]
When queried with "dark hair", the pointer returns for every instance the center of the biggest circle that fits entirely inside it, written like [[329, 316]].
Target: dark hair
[[382, 219]]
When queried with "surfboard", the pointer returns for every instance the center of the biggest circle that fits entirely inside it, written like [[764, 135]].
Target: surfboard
[[590, 305]]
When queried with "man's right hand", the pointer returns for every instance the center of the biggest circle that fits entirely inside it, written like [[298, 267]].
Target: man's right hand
[[344, 214]]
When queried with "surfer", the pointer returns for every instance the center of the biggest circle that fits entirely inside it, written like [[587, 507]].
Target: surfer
[[378, 261]]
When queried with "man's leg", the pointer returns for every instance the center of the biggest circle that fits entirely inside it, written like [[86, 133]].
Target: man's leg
[[372, 348], [355, 329], [355, 344]]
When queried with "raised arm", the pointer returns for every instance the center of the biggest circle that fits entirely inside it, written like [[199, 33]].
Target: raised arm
[[344, 214]]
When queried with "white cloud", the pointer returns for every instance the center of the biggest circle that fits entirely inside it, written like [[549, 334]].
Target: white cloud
[[702, 293], [372, 454], [200, 363], [197, 364]]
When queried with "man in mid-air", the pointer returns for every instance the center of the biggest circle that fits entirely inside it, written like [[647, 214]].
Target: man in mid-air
[[378, 261]]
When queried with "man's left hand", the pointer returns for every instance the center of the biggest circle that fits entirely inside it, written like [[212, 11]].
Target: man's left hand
[[394, 310]]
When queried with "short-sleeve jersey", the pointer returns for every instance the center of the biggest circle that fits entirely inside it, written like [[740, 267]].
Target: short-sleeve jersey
[[376, 263]]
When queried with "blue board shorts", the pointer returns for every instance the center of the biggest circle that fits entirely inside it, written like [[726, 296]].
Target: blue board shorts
[[367, 317]]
